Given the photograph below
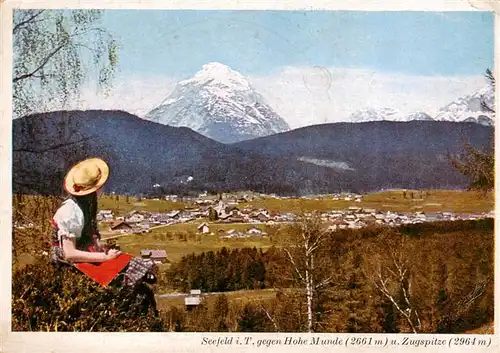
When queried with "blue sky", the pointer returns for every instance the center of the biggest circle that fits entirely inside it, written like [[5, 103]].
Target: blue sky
[[178, 43], [310, 67]]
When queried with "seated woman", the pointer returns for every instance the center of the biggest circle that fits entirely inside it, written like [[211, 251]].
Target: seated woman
[[75, 236]]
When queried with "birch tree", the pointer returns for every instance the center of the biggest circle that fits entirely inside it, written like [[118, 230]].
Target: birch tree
[[389, 270], [54, 53], [303, 244]]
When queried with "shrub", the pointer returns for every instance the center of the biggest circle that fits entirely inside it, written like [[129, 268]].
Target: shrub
[[49, 299]]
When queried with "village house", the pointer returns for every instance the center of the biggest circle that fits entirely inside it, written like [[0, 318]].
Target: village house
[[153, 218], [163, 218], [204, 202], [193, 299], [158, 256], [254, 231], [233, 211], [204, 228], [174, 214], [224, 218], [236, 219], [104, 215], [121, 227], [135, 217], [234, 234], [263, 216]]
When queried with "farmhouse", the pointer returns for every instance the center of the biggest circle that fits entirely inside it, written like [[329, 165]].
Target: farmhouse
[[203, 228], [174, 214], [104, 215], [135, 217], [254, 231], [122, 227], [263, 217], [224, 217], [193, 299], [158, 256], [236, 219]]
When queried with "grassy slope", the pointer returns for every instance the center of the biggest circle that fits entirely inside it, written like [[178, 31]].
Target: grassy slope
[[121, 206], [176, 248], [436, 200]]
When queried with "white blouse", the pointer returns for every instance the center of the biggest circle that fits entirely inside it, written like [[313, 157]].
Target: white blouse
[[69, 220]]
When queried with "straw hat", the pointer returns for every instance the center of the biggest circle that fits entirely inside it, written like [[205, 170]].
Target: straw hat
[[86, 177]]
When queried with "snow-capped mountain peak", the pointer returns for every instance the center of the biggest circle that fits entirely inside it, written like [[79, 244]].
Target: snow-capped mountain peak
[[218, 74], [220, 103], [476, 107], [470, 107]]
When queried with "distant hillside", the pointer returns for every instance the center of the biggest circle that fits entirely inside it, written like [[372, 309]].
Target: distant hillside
[[315, 159], [143, 153], [380, 154]]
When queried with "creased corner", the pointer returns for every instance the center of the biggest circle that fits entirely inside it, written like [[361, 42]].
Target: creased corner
[[486, 5]]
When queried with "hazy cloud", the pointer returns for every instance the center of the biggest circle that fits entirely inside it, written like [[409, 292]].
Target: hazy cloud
[[305, 96], [308, 95]]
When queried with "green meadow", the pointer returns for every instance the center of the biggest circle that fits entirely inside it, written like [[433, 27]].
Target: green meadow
[[457, 201]]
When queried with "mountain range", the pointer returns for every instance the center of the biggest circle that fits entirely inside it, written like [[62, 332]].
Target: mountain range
[[220, 103], [469, 108], [315, 159]]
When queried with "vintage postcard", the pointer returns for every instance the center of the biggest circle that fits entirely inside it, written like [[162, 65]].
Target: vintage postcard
[[248, 176]]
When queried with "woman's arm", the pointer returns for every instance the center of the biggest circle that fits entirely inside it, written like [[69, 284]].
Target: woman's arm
[[71, 253]]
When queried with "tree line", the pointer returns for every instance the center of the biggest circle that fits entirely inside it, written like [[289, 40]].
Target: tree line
[[220, 271]]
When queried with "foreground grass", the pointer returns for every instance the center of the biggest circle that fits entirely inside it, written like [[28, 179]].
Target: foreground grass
[[487, 329]]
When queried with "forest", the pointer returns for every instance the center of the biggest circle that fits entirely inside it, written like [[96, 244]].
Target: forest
[[431, 278]]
